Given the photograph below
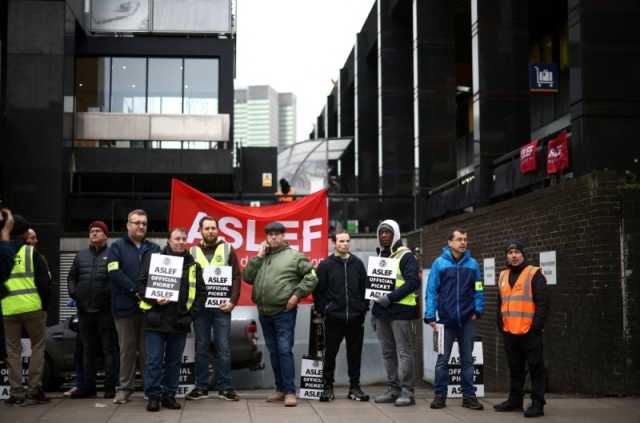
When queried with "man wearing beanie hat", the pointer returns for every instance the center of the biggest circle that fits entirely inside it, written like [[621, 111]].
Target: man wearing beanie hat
[[25, 298], [521, 312], [88, 284]]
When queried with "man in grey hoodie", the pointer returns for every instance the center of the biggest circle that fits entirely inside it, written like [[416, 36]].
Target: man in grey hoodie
[[393, 318]]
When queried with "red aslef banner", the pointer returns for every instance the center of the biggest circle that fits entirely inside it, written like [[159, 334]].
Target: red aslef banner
[[306, 221], [558, 153], [528, 162]]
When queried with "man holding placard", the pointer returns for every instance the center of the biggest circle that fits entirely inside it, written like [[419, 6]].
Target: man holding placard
[[221, 274], [172, 291], [392, 283]]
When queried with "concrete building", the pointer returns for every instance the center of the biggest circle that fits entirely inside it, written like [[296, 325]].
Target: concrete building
[[264, 117]]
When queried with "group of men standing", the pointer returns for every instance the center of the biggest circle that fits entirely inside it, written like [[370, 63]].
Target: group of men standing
[[109, 288]]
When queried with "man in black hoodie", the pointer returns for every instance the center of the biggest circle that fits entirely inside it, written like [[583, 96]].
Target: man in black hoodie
[[339, 297], [521, 312]]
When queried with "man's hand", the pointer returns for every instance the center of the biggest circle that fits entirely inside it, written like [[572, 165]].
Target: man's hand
[[263, 249], [293, 302], [227, 307], [163, 301], [383, 301], [473, 317], [433, 325], [5, 235]]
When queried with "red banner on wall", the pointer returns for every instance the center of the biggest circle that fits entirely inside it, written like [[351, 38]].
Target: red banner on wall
[[306, 221], [558, 153], [528, 162]]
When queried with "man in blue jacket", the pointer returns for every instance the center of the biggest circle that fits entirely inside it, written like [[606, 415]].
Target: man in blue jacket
[[124, 259], [455, 290]]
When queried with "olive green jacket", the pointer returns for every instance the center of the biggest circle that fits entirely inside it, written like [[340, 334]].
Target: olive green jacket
[[277, 276]]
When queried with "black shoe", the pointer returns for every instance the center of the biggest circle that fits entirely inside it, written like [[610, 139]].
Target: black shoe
[[153, 405], [83, 393], [228, 395], [171, 403], [536, 409], [472, 403], [327, 394], [109, 393], [508, 405], [14, 401], [357, 394], [197, 394], [439, 402]]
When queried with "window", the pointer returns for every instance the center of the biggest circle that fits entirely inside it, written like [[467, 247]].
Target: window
[[128, 85], [165, 86], [93, 75], [201, 86]]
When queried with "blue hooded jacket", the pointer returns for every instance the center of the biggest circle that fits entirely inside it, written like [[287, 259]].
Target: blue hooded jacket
[[454, 288]]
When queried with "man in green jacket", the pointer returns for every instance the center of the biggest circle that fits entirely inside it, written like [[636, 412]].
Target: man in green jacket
[[281, 277]]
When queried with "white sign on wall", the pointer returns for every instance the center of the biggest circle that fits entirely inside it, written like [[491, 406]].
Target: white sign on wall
[[548, 266], [489, 271]]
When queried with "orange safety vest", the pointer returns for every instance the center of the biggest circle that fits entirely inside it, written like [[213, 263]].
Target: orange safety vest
[[517, 307]]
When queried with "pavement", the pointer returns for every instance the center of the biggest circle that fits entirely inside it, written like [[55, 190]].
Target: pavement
[[253, 409]]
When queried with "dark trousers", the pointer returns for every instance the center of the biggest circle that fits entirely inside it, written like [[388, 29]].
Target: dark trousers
[[335, 332], [162, 371], [521, 350], [98, 335]]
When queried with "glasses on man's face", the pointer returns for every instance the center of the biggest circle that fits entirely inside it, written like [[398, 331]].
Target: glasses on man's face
[[138, 223]]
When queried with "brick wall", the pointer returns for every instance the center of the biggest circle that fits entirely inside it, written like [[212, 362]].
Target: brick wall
[[585, 348], [631, 299]]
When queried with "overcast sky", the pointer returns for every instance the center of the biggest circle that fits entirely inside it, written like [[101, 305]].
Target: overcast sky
[[297, 46]]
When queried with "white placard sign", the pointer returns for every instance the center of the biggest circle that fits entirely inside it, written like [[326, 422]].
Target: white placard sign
[[548, 266], [490, 271], [311, 383], [217, 280], [5, 388], [455, 371], [381, 277], [165, 273], [187, 377]]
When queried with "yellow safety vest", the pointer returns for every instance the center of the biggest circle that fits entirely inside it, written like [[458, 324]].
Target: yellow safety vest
[[410, 299], [220, 256], [23, 295], [145, 306]]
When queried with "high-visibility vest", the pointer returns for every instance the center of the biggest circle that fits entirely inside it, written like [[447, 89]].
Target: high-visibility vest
[[23, 295], [410, 299], [145, 306], [220, 256], [518, 308]]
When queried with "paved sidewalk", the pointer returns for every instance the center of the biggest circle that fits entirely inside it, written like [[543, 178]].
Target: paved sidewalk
[[253, 409]]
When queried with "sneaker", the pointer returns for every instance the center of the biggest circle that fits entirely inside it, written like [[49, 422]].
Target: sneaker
[[508, 405], [388, 396], [171, 403], [276, 396], [123, 397], [405, 399], [327, 394], [536, 409], [290, 400], [357, 394], [472, 403], [82, 393], [14, 401], [228, 395], [70, 391], [152, 405], [36, 397], [197, 394], [439, 402]]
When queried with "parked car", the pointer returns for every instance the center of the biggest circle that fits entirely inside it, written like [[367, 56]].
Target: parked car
[[61, 340]]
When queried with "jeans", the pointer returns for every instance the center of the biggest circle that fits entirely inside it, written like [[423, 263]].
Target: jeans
[[220, 322], [164, 353], [278, 331], [466, 336], [397, 341]]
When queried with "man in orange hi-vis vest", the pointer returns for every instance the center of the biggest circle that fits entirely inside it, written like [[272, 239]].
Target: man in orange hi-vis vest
[[522, 308]]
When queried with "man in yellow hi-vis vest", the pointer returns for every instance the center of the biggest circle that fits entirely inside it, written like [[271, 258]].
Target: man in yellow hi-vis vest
[[24, 304], [393, 318], [213, 254]]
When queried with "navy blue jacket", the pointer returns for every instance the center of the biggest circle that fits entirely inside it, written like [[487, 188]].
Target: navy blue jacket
[[454, 288], [124, 261]]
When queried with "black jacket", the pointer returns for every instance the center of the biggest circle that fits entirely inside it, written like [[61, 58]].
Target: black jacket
[[339, 294], [173, 317], [539, 291], [88, 282]]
